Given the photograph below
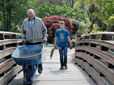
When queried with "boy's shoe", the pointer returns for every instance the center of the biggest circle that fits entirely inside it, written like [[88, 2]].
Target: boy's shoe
[[66, 67], [61, 68]]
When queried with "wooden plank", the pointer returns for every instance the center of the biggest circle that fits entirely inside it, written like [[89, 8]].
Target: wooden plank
[[7, 52], [109, 44], [100, 33], [91, 72], [4, 80], [6, 65], [9, 33], [103, 33], [104, 55], [10, 41], [80, 62], [53, 76], [98, 65], [94, 75]]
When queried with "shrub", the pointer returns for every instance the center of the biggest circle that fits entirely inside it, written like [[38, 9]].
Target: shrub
[[52, 24]]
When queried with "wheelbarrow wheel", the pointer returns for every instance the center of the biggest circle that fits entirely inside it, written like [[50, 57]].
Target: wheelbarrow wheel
[[28, 73]]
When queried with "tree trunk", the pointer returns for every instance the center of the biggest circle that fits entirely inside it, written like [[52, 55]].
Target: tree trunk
[[91, 26], [51, 1], [72, 4]]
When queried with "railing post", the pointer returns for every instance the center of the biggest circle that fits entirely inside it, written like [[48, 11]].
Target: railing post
[[2, 38], [104, 37]]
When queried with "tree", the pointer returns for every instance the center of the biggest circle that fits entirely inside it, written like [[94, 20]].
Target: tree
[[10, 11], [98, 11], [13, 12]]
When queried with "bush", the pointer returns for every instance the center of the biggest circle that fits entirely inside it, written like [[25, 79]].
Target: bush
[[52, 24], [75, 23]]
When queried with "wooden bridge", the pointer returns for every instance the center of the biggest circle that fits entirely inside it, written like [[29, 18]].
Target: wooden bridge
[[91, 62]]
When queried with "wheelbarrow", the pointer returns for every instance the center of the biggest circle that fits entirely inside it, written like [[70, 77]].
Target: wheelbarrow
[[29, 57]]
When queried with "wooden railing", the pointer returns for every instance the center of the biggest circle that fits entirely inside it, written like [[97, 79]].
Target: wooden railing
[[8, 68], [95, 54]]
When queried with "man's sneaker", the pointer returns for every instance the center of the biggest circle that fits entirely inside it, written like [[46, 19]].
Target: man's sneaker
[[61, 68], [66, 67]]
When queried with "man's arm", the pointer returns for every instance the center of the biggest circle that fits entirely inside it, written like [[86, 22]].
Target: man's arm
[[44, 31], [23, 34], [23, 31]]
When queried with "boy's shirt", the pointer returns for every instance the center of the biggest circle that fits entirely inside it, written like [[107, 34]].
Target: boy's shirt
[[62, 37]]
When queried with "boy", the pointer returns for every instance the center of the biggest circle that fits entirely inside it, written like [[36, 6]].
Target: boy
[[61, 36]]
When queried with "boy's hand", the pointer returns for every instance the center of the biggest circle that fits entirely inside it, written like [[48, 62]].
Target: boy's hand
[[70, 45], [55, 46]]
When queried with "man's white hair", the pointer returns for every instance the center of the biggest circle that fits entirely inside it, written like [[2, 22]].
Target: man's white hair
[[31, 11]]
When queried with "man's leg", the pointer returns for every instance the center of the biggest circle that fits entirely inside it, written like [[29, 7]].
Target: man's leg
[[65, 57], [61, 57]]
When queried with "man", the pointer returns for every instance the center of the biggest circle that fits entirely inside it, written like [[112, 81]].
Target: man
[[34, 31], [61, 36]]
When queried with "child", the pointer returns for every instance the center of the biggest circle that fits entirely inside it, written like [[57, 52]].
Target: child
[[61, 37]]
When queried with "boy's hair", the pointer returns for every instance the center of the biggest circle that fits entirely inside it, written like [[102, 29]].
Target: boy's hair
[[62, 22]]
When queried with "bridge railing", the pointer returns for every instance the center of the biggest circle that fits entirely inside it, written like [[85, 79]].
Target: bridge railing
[[95, 54], [8, 68]]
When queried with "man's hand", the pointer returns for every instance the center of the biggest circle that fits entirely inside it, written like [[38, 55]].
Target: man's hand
[[44, 41], [23, 41], [55, 45], [70, 45]]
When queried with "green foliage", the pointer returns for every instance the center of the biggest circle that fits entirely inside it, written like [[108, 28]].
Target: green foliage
[[101, 10], [99, 13], [82, 28], [48, 9], [12, 12], [111, 24], [111, 19], [75, 24]]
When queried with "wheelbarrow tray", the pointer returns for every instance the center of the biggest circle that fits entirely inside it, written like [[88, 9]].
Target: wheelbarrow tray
[[28, 54]]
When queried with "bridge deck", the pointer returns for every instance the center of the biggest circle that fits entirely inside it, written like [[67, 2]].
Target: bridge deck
[[51, 75]]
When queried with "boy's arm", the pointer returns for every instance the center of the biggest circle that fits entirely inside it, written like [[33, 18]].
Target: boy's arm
[[69, 39], [55, 39], [69, 42], [55, 42]]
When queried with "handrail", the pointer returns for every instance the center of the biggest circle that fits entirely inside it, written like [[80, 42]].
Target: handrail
[[95, 54], [8, 68]]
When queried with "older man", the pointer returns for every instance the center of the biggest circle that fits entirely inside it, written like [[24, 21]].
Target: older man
[[34, 31]]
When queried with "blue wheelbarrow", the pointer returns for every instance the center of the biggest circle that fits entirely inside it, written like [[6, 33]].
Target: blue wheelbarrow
[[29, 57]]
